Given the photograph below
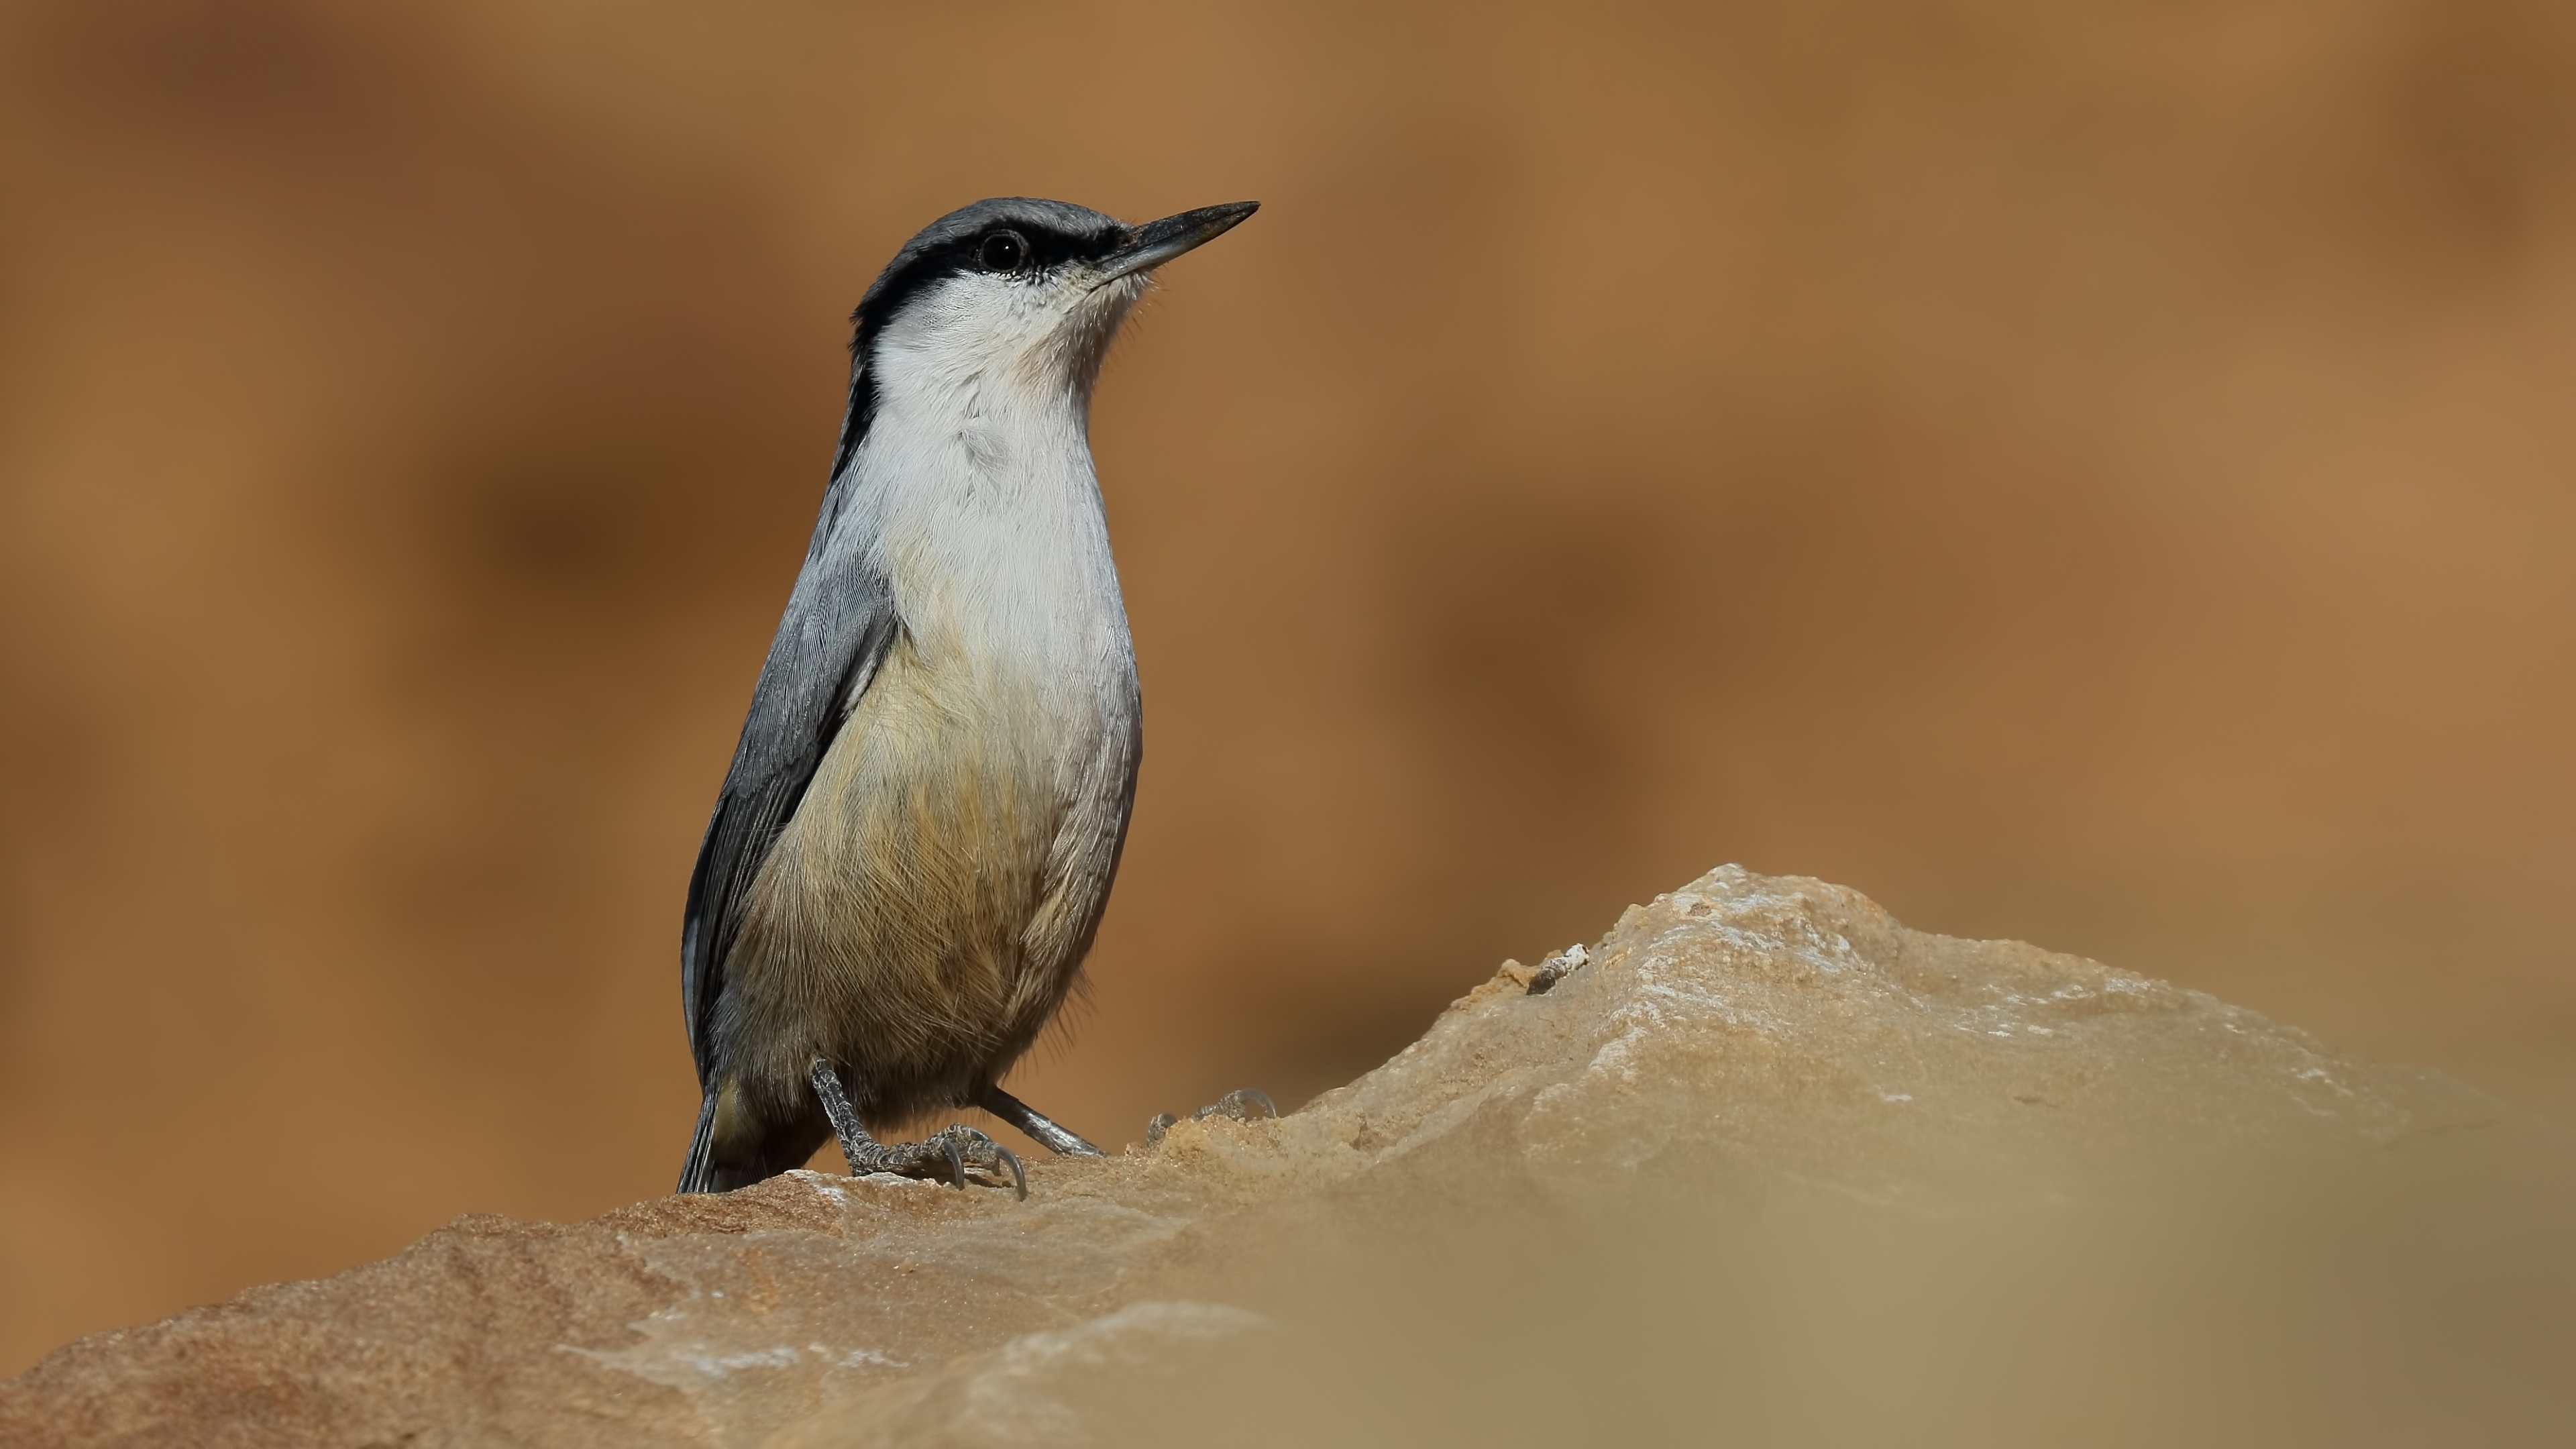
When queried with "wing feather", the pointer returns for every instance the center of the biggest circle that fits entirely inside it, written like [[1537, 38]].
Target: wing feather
[[839, 621]]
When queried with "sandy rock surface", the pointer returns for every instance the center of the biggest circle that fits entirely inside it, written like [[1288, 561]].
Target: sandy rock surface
[[1768, 1167]]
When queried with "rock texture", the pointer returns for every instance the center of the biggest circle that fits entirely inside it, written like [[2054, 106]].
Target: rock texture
[[1767, 1166]]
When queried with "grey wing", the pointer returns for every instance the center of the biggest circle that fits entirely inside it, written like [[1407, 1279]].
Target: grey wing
[[840, 620]]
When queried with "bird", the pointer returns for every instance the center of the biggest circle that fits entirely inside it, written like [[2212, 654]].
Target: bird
[[917, 835]]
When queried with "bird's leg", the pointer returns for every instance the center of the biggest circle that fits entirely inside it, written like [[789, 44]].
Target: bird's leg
[[1237, 1105], [1035, 1123], [946, 1153]]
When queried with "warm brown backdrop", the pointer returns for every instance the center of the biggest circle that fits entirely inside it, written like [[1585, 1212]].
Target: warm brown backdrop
[[2098, 473]]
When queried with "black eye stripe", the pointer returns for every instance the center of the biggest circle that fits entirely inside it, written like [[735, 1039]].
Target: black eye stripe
[[1051, 233]]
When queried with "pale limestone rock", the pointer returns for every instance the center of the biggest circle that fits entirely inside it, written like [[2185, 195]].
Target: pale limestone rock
[[1765, 1166]]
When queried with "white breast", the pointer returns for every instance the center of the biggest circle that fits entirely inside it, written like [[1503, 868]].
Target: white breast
[[976, 486]]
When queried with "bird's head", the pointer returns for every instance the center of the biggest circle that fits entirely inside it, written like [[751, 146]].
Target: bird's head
[[1013, 295]]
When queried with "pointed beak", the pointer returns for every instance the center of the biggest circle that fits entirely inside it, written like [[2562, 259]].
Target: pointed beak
[[1157, 242]]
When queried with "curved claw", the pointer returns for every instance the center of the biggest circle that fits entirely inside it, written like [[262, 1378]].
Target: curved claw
[[956, 1163], [1235, 1104], [1019, 1174], [1232, 1104]]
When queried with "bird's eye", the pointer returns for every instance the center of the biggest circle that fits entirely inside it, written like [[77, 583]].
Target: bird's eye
[[1003, 251]]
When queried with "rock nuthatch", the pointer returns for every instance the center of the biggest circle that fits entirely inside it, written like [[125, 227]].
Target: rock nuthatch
[[917, 836]]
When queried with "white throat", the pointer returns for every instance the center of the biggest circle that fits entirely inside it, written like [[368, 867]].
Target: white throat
[[976, 482]]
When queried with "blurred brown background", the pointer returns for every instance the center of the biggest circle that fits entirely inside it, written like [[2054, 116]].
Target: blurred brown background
[[2096, 473]]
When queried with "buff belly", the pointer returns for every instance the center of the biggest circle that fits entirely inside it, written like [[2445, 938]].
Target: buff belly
[[927, 908]]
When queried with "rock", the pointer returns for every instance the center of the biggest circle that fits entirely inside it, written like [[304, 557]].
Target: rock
[[1760, 1164]]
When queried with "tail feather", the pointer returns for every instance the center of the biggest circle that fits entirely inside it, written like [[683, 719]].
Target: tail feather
[[698, 1174]]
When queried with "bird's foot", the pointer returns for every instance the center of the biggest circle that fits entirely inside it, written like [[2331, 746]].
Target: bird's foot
[[1237, 1105], [1054, 1136], [943, 1156]]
